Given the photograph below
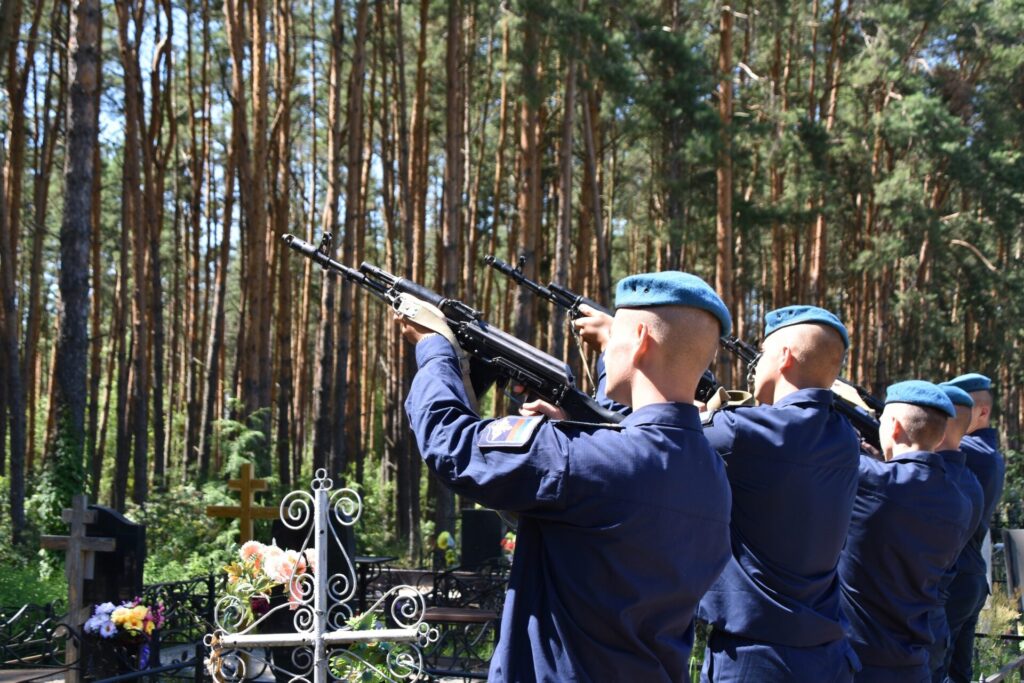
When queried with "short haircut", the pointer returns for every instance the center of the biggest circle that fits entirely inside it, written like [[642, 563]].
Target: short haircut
[[982, 397], [817, 349], [924, 426]]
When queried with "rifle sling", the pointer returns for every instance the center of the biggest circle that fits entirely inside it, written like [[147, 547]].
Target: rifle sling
[[430, 316]]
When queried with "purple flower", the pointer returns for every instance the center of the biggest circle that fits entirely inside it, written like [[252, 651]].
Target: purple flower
[[94, 623], [108, 630], [105, 608]]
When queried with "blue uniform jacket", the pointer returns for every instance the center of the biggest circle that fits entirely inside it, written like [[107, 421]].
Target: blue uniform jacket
[[793, 471], [981, 449], [909, 523], [620, 530], [967, 483]]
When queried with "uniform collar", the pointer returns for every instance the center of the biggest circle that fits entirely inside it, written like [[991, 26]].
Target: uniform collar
[[923, 457], [986, 434], [954, 456], [812, 395], [676, 414]]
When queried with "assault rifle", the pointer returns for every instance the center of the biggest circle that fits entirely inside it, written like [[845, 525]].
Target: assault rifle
[[495, 356], [865, 424], [570, 302]]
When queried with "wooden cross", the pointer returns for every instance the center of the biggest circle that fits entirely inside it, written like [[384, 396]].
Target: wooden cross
[[246, 512], [79, 565]]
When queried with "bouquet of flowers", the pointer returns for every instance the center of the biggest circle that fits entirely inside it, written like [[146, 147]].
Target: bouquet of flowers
[[446, 544], [131, 622], [508, 545], [261, 569]]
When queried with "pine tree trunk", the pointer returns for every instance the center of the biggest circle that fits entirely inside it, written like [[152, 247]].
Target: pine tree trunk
[[323, 406], [529, 193], [70, 371], [723, 175], [563, 238], [214, 365], [281, 211]]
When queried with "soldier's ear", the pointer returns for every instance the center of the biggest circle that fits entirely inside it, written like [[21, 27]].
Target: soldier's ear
[[642, 342], [786, 358]]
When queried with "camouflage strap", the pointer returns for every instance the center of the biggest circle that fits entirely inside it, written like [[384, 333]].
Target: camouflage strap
[[431, 317], [724, 398], [848, 393]]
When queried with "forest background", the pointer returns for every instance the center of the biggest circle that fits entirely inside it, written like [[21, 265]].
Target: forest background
[[863, 155]]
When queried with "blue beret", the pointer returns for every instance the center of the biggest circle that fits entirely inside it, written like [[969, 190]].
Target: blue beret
[[972, 381], [958, 396], [671, 288], [798, 315], [920, 393]]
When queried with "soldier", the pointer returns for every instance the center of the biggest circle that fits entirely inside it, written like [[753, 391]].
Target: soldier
[[621, 528], [792, 466], [909, 523], [970, 588], [954, 460]]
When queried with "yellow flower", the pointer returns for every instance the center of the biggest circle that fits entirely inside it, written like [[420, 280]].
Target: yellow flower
[[149, 627], [120, 615]]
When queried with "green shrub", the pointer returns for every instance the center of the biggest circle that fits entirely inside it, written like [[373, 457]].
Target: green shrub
[[181, 541]]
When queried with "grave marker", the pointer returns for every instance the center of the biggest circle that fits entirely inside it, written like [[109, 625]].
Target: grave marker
[[246, 511], [79, 565]]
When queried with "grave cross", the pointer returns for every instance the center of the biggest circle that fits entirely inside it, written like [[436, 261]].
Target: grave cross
[[246, 512], [79, 566]]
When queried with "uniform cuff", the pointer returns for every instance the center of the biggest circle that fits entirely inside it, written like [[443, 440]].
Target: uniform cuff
[[433, 346]]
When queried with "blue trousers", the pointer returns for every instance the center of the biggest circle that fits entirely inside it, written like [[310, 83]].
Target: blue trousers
[[734, 659], [967, 596], [897, 674]]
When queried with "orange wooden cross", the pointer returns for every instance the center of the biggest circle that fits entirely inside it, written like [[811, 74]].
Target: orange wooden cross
[[80, 564], [245, 512]]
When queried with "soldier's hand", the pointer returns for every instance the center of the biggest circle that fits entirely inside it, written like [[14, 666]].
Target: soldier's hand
[[539, 407], [595, 327], [868, 449], [411, 331]]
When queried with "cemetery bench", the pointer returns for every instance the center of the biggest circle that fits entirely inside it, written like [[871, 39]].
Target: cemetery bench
[[465, 607], [372, 575], [31, 640]]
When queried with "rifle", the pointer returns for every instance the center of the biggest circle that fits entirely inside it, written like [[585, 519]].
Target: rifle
[[495, 356], [865, 424], [570, 301]]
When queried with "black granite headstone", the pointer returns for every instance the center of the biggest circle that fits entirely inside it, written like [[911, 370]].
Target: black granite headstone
[[281, 621], [292, 539], [117, 576]]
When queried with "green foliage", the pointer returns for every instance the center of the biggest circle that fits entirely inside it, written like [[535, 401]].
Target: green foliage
[[61, 478], [181, 541], [1001, 617], [1010, 513], [27, 574], [375, 532], [244, 442]]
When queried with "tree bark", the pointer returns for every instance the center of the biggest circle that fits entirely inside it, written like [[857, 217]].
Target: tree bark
[[563, 237], [69, 370], [723, 174], [323, 407], [529, 194]]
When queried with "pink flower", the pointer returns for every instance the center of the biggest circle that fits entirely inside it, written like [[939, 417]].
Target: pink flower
[[253, 550], [310, 556], [275, 565]]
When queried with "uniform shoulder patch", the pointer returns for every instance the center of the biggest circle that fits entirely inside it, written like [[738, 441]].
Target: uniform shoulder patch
[[514, 431]]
